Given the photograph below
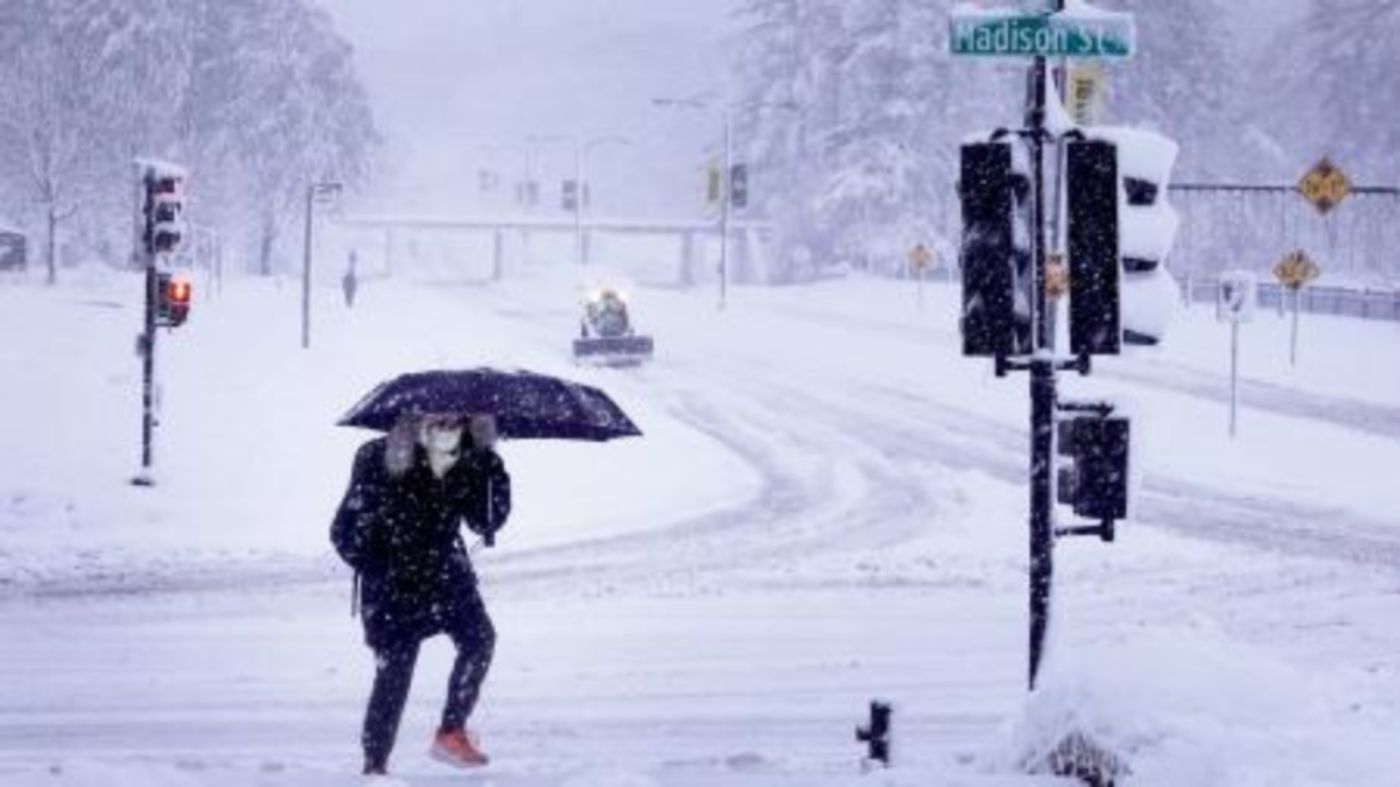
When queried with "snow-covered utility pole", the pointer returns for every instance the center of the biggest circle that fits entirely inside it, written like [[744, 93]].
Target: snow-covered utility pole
[[313, 190]]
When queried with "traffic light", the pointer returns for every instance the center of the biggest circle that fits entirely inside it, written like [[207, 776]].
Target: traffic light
[[569, 195], [1091, 177], [1147, 229], [163, 211], [712, 184], [173, 302], [1095, 479], [739, 185], [994, 255]]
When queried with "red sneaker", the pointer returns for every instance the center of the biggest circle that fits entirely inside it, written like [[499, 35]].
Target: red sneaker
[[457, 748]]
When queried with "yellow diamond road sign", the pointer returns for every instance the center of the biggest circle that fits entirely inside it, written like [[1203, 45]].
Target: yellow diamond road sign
[[1296, 269], [1325, 186]]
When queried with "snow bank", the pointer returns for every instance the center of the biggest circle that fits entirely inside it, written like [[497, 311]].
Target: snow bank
[[1187, 706]]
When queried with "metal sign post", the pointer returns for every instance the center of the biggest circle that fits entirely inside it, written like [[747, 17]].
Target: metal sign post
[[920, 260], [1294, 272], [1293, 329], [1235, 301]]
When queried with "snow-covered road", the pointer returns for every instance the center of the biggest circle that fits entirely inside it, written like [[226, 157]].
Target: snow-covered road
[[828, 507]]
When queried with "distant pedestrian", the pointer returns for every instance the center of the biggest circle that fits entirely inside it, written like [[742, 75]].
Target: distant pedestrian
[[399, 527], [350, 282]]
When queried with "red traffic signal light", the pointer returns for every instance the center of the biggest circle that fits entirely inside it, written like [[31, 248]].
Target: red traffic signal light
[[173, 307], [178, 291]]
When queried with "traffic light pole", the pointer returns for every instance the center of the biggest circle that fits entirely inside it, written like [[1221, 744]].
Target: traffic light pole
[[1042, 385], [147, 345]]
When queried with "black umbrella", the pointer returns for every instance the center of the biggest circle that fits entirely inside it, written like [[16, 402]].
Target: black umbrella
[[526, 405]]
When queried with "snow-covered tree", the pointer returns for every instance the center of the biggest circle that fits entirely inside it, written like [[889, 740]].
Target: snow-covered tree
[[49, 132], [257, 96], [1184, 81], [864, 167], [787, 86], [295, 113], [868, 163]]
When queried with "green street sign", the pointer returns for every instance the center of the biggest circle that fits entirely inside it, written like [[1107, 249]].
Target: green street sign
[[991, 34]]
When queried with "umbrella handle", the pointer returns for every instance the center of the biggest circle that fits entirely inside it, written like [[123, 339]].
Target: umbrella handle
[[490, 537]]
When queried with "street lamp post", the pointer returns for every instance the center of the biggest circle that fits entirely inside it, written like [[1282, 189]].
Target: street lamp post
[[313, 190]]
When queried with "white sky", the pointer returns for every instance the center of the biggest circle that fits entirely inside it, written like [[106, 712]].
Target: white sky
[[458, 85]]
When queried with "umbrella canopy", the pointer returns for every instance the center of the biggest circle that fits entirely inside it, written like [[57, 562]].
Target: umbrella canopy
[[526, 405]]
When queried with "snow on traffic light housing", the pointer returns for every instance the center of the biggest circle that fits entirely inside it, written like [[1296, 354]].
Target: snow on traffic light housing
[[173, 304], [1147, 227], [994, 255]]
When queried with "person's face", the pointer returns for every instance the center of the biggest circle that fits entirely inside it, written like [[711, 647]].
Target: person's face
[[441, 433]]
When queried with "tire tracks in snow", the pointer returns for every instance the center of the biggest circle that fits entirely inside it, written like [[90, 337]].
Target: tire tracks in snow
[[811, 501], [1362, 416]]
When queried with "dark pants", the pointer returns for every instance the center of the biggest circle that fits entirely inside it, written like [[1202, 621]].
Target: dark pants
[[475, 637]]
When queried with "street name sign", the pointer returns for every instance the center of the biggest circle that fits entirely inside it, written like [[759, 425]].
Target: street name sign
[[1062, 34]]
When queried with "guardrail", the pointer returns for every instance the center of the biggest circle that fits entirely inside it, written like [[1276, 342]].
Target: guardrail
[[1366, 304]]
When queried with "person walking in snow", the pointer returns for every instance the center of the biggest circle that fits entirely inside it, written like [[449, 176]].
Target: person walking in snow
[[399, 527], [350, 282]]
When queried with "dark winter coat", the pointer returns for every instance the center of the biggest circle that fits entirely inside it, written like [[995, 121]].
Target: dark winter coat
[[402, 535]]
